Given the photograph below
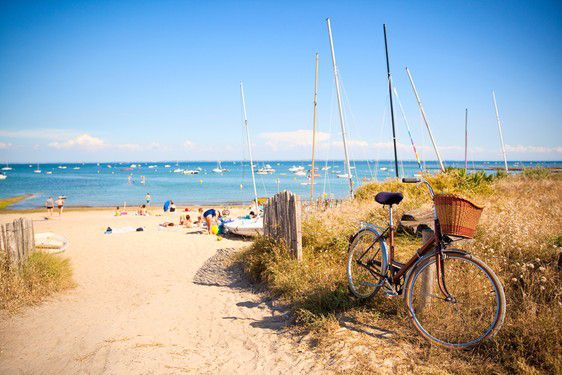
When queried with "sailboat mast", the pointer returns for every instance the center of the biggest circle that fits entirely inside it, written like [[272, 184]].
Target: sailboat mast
[[313, 171], [425, 120], [249, 145], [500, 129], [340, 107], [466, 140], [391, 105]]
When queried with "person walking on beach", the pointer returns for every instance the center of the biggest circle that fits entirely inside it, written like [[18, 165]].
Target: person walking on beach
[[147, 197], [50, 203], [60, 204]]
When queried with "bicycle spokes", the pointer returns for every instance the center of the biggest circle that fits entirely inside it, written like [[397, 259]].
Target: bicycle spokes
[[468, 308]]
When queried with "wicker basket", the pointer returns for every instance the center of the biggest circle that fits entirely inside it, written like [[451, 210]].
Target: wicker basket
[[457, 216]]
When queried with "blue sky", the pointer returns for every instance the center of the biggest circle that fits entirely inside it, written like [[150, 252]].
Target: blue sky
[[159, 80]]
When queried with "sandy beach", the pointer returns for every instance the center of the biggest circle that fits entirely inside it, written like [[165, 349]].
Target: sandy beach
[[144, 303]]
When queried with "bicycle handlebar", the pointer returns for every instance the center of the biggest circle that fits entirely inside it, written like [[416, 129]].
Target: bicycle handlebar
[[416, 180]]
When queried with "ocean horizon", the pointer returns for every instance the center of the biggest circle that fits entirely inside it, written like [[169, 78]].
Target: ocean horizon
[[119, 183]]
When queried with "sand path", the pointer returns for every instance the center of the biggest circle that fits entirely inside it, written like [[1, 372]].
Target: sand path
[[136, 309]]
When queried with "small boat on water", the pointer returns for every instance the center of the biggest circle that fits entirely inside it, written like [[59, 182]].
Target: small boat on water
[[167, 166], [300, 173], [62, 166], [178, 170], [7, 168], [383, 168], [76, 168], [219, 168], [49, 172], [3, 176], [37, 170], [191, 171], [295, 168], [326, 168], [245, 227], [267, 169], [343, 175]]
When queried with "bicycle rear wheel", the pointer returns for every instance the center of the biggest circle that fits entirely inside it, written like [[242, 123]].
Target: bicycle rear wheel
[[367, 263], [474, 313]]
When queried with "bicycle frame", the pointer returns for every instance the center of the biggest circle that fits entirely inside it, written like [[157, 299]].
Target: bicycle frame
[[433, 246]]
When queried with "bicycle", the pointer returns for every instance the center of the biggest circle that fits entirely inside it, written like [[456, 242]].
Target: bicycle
[[454, 299]]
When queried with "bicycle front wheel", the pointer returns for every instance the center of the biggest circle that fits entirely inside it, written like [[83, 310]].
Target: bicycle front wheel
[[474, 311], [367, 263]]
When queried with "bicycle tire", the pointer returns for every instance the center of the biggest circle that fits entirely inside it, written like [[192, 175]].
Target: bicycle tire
[[425, 322], [357, 275]]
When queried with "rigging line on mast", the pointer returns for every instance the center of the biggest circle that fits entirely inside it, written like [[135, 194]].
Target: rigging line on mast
[[347, 108], [381, 127], [407, 127]]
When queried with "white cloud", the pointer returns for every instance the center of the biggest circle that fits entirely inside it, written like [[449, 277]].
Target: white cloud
[[84, 141], [5, 146], [188, 144], [50, 134]]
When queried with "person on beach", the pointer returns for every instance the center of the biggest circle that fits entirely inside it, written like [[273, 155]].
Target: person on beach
[[50, 204], [211, 216], [60, 204], [199, 221], [147, 197], [172, 206], [142, 210], [117, 211], [186, 221]]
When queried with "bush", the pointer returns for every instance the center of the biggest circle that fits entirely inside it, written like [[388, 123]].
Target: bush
[[40, 276]]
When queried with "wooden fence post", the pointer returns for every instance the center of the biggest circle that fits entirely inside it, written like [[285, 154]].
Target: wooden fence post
[[17, 240], [282, 221]]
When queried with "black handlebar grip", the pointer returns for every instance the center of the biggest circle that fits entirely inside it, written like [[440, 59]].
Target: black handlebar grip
[[411, 180]]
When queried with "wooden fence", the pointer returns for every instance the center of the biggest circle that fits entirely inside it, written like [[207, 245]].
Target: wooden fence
[[17, 240], [282, 220]]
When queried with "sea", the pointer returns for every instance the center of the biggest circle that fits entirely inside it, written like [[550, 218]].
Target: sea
[[126, 183]]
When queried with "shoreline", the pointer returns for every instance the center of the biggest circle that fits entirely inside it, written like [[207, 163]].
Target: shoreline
[[180, 206]]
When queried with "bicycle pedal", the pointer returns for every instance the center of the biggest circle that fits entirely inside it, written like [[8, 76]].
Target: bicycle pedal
[[390, 293]]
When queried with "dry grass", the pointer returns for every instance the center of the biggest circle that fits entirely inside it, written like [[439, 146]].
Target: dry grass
[[41, 276], [520, 236]]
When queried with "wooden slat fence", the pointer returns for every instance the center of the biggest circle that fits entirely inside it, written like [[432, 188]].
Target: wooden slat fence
[[17, 240], [282, 220]]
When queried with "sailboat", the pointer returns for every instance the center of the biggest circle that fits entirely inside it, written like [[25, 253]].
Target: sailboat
[[37, 170], [7, 168], [248, 227], [219, 168]]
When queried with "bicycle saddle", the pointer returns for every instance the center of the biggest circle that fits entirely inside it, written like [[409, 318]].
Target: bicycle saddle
[[389, 198]]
